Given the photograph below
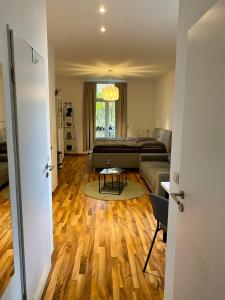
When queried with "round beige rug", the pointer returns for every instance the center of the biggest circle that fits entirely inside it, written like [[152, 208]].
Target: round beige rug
[[5, 193], [130, 191]]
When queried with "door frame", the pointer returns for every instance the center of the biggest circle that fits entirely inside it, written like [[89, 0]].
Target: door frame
[[17, 164]]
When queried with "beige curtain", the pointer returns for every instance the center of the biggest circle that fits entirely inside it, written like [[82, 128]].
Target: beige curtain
[[121, 111], [89, 102]]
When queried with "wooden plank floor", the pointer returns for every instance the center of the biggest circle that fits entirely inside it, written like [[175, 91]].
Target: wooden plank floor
[[6, 246], [101, 246]]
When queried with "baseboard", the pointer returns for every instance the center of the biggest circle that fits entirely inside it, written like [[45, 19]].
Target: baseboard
[[83, 153], [41, 285], [77, 154]]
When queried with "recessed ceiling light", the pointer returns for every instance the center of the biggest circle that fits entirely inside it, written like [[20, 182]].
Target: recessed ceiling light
[[103, 29], [102, 10]]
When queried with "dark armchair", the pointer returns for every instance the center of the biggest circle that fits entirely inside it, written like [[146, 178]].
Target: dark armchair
[[160, 211]]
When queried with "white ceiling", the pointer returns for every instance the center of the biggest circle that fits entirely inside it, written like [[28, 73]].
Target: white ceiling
[[139, 43]]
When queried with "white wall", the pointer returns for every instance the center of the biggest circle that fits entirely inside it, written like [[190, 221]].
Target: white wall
[[140, 108], [140, 105], [52, 103], [28, 19], [189, 12], [72, 90], [164, 94]]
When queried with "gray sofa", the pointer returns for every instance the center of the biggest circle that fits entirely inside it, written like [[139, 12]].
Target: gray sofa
[[125, 152], [155, 168], [4, 176], [163, 136]]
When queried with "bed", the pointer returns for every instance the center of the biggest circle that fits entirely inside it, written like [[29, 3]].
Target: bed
[[125, 152]]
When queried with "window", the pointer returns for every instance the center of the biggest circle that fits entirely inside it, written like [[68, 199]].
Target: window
[[105, 116]]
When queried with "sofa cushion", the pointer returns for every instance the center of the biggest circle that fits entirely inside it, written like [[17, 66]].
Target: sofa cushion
[[153, 169], [163, 136]]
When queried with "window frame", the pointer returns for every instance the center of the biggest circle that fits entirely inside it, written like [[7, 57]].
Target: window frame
[[107, 103]]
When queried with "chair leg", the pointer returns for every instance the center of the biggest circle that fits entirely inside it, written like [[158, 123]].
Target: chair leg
[[150, 250]]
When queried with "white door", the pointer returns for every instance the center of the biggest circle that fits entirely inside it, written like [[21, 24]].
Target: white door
[[34, 153], [200, 244]]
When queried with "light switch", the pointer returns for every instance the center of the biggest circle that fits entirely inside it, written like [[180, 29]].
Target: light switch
[[176, 177]]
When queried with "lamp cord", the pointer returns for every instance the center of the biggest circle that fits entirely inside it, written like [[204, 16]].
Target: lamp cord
[[110, 77]]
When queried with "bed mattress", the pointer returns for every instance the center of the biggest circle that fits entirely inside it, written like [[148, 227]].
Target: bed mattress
[[137, 145]]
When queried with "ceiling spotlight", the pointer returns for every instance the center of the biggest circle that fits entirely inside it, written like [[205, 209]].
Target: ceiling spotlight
[[103, 29], [102, 10]]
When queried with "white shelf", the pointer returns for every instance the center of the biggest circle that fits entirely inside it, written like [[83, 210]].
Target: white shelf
[[69, 129]]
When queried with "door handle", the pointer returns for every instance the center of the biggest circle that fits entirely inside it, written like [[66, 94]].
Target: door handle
[[177, 200]]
